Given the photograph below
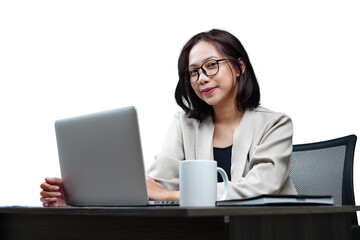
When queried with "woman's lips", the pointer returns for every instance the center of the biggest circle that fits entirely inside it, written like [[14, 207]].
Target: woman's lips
[[208, 91]]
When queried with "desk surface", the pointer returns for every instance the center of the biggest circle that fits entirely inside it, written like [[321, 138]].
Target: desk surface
[[181, 211], [271, 223]]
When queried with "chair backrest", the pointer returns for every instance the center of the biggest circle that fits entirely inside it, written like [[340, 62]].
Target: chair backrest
[[326, 168]]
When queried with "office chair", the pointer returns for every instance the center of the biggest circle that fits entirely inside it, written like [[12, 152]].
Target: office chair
[[326, 168]]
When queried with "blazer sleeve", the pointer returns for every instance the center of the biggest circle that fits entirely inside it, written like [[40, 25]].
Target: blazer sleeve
[[165, 169], [269, 162]]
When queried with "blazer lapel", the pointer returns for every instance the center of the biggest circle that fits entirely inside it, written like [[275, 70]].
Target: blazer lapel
[[204, 140], [242, 141]]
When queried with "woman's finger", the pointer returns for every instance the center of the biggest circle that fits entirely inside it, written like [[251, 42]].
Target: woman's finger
[[48, 187], [50, 194], [54, 181], [48, 200]]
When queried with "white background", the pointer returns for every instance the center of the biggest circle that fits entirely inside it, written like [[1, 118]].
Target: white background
[[65, 58]]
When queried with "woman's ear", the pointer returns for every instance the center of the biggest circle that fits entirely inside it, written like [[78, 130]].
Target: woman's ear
[[242, 65]]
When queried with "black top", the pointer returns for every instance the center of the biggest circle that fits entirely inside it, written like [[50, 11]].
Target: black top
[[223, 158]]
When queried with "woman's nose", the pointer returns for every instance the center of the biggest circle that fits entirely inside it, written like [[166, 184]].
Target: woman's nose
[[203, 78]]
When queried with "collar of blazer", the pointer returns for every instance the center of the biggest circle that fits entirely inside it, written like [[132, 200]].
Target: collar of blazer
[[242, 140]]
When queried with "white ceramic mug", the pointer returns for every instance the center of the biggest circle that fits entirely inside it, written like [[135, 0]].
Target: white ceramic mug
[[198, 183]]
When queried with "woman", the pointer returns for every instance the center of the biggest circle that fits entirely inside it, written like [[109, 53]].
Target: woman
[[222, 120]]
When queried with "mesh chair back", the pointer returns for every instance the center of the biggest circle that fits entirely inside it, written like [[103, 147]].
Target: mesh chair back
[[325, 168]]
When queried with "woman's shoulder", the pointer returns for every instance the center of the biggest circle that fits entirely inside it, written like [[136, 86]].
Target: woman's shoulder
[[183, 118], [264, 114], [188, 122], [267, 121]]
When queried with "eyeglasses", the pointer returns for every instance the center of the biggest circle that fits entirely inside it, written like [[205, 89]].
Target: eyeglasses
[[209, 68]]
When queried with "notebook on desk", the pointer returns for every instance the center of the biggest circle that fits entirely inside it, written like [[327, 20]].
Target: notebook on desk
[[101, 159], [278, 200]]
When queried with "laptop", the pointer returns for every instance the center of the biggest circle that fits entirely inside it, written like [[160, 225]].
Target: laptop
[[101, 159]]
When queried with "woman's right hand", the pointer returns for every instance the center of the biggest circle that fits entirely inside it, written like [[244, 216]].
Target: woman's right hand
[[52, 194], [157, 193]]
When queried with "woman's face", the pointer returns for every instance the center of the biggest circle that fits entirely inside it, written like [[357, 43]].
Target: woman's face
[[219, 89]]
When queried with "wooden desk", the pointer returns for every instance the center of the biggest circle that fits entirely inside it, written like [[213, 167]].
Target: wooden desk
[[278, 223]]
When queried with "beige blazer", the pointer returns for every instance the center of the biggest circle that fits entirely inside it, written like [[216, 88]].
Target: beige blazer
[[260, 160]]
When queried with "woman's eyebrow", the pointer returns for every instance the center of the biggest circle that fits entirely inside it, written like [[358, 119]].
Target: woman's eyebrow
[[208, 58]]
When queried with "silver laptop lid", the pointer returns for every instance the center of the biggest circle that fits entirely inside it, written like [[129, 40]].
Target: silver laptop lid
[[101, 159]]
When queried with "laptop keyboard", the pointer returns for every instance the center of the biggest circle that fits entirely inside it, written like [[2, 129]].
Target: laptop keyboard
[[164, 203]]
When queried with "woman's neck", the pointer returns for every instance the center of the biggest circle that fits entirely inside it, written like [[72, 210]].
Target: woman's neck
[[229, 115], [225, 122]]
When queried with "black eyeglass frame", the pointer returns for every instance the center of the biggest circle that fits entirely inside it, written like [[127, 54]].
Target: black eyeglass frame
[[203, 70]]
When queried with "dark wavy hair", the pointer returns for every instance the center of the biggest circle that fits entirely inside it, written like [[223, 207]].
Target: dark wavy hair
[[248, 92]]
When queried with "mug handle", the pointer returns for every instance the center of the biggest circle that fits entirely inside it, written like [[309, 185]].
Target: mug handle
[[226, 183]]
